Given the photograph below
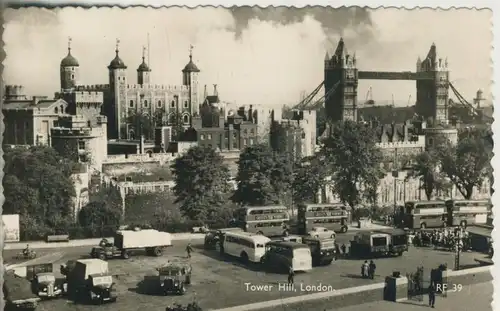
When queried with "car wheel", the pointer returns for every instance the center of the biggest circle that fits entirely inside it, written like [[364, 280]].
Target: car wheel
[[102, 256], [332, 236], [125, 255], [244, 257]]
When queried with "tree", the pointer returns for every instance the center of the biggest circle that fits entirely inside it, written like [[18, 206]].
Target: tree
[[99, 218], [353, 160], [264, 177], [426, 167], [143, 124], [468, 163], [201, 182], [38, 183], [177, 123], [309, 177]]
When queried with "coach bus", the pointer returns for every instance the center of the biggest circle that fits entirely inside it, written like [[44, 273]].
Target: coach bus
[[467, 212], [331, 216], [424, 214], [246, 246], [265, 220]]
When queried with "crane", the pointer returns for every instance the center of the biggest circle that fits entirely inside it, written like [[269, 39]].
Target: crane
[[465, 103], [305, 101]]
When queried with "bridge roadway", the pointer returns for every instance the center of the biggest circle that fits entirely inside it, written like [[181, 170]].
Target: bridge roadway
[[220, 282]]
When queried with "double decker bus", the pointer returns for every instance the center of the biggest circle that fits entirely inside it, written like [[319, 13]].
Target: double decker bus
[[265, 220], [467, 212], [424, 214], [332, 216]]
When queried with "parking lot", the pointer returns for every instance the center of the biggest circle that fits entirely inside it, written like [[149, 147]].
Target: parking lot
[[222, 282]]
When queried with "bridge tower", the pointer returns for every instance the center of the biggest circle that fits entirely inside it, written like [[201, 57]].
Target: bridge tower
[[341, 105], [432, 95]]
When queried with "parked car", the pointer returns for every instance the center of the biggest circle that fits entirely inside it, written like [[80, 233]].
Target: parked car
[[321, 233]]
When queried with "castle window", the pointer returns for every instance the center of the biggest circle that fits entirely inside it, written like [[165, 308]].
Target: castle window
[[235, 144], [62, 108], [131, 104], [172, 104], [245, 131], [185, 119], [209, 136], [145, 104], [202, 137], [81, 145], [72, 77], [244, 142], [251, 141], [252, 132], [234, 134], [186, 104], [159, 104]]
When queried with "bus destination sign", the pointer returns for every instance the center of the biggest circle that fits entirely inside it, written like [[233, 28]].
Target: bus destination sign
[[269, 217], [328, 214]]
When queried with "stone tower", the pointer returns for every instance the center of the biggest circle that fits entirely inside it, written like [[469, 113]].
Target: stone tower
[[69, 71], [190, 79], [341, 103], [143, 71], [117, 111], [432, 94]]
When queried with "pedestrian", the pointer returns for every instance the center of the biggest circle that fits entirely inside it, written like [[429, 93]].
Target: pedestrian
[[371, 269], [189, 249], [344, 248], [432, 295], [291, 274], [364, 269]]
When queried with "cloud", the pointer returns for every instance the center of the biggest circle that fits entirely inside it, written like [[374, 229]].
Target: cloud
[[256, 56]]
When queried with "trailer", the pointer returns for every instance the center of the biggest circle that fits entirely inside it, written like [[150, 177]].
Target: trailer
[[127, 241], [18, 293]]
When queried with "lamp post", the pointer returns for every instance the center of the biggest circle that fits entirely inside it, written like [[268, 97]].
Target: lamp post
[[395, 175], [458, 248]]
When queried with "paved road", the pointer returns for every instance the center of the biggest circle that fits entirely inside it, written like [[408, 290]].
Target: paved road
[[220, 282], [470, 298]]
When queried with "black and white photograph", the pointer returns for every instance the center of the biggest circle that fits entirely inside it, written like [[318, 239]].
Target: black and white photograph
[[247, 158]]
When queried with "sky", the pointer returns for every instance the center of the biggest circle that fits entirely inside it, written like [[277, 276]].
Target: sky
[[266, 57]]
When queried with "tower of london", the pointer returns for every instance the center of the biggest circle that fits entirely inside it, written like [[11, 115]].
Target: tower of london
[[127, 104]]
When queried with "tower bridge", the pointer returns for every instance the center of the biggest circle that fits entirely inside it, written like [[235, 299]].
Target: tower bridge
[[341, 77]]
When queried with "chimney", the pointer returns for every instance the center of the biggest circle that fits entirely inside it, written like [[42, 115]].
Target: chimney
[[215, 90], [250, 114], [205, 94]]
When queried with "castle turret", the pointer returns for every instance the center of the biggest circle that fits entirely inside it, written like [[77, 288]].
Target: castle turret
[[69, 70], [117, 111], [143, 71], [190, 79]]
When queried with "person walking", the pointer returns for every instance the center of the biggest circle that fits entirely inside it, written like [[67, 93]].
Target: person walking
[[371, 269], [343, 248], [189, 250], [291, 275], [432, 295], [364, 269]]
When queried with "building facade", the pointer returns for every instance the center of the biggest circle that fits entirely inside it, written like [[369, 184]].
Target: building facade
[[124, 102]]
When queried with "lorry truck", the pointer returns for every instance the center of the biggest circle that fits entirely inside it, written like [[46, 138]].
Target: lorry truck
[[18, 294], [89, 280], [127, 241]]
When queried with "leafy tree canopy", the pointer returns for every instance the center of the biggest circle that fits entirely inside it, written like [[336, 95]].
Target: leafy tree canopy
[[201, 182], [468, 163], [353, 160], [309, 176], [426, 167], [264, 176], [38, 183]]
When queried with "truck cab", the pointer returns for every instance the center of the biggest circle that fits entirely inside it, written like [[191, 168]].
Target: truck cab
[[45, 285], [100, 288]]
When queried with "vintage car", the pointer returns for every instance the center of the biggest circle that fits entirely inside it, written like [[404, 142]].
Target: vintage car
[[213, 237], [100, 288], [173, 277], [45, 286], [321, 233]]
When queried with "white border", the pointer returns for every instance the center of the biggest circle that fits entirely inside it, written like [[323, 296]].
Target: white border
[[494, 5]]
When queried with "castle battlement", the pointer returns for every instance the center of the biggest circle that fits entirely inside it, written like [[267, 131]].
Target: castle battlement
[[157, 87], [88, 97], [92, 87], [403, 144], [83, 132]]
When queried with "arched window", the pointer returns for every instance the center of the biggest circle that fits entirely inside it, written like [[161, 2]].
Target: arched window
[[56, 110], [131, 104], [186, 119], [159, 104], [146, 103], [72, 77], [186, 104], [172, 104], [62, 108]]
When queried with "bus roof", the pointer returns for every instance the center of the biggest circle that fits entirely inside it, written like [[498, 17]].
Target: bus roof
[[265, 207], [252, 236], [472, 201], [293, 245], [324, 205]]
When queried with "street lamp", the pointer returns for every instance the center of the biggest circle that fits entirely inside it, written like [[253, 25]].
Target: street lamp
[[458, 247]]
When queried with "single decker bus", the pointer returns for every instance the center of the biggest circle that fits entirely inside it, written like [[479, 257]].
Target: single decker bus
[[467, 212], [424, 214], [331, 216], [266, 220]]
